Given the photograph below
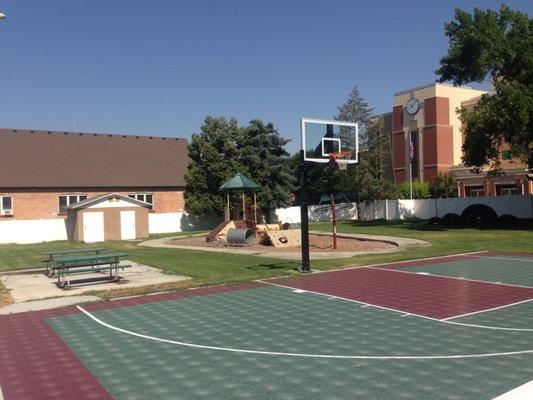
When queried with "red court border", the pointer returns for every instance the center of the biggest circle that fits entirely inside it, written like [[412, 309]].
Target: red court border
[[431, 296], [35, 363]]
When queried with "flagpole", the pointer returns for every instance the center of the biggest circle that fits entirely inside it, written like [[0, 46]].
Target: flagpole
[[410, 167]]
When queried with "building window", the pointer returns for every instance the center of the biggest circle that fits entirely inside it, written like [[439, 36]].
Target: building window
[[506, 190], [67, 200], [6, 205], [475, 191], [145, 197]]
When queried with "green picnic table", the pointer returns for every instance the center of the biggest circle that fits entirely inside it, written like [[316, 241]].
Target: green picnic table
[[69, 265], [52, 254]]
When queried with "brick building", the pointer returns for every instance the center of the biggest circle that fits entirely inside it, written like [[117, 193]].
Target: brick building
[[427, 117], [42, 172]]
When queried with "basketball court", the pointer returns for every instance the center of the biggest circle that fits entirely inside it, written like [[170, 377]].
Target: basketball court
[[456, 327], [445, 328]]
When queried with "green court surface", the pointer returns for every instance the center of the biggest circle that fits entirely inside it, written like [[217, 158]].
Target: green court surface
[[508, 270], [276, 343]]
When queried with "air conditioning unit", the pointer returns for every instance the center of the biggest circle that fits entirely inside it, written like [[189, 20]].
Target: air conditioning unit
[[7, 212]]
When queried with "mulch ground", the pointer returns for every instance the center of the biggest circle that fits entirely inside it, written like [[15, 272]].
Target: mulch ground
[[317, 243]]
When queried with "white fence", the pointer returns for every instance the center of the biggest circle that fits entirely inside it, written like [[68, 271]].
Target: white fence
[[32, 230], [48, 230], [519, 206], [345, 211]]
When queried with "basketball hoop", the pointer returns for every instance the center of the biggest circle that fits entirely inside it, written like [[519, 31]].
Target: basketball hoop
[[340, 158]]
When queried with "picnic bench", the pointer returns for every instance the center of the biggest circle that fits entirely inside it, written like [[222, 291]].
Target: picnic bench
[[69, 265], [53, 254]]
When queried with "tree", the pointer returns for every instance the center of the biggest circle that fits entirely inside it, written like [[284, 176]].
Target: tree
[[444, 186], [366, 180], [499, 46], [356, 109], [214, 159], [262, 151], [221, 150]]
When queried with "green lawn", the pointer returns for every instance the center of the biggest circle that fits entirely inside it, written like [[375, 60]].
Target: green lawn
[[215, 268]]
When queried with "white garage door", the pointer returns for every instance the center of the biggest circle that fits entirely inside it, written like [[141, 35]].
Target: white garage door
[[93, 227], [127, 225]]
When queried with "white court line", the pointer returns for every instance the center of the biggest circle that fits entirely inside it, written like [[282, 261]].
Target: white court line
[[350, 300], [522, 392], [444, 321], [277, 353], [403, 262], [488, 309], [500, 258], [449, 277]]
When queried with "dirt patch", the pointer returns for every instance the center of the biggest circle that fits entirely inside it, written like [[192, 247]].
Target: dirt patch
[[5, 296], [317, 244]]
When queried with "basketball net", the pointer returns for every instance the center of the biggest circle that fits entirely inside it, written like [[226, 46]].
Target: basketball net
[[340, 158]]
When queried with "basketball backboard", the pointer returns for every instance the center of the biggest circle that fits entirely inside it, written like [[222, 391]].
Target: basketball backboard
[[321, 137]]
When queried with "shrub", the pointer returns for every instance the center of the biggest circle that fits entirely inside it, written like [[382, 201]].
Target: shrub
[[420, 190], [479, 215], [444, 186], [508, 221], [452, 219]]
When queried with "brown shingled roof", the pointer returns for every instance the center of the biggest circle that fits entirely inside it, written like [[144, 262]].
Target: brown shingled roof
[[71, 159]]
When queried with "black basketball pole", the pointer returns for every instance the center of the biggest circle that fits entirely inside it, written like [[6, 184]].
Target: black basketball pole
[[304, 205]]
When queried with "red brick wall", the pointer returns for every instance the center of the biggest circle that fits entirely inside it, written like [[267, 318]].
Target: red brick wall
[[436, 111], [399, 175], [45, 204], [398, 143], [438, 137], [397, 116], [438, 145]]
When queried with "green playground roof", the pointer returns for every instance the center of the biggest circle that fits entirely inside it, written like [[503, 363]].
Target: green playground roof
[[240, 182]]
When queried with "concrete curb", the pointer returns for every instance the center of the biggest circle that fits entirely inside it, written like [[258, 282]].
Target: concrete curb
[[401, 243], [46, 304]]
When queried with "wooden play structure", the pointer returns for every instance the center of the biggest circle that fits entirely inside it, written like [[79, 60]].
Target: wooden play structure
[[236, 231]]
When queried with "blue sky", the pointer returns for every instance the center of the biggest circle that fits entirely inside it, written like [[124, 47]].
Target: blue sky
[[159, 67]]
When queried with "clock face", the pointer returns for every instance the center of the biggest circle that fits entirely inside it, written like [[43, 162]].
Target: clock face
[[412, 106]]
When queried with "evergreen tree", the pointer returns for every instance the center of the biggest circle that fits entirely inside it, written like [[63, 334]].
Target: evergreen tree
[[214, 159], [262, 151], [366, 180], [221, 150], [356, 109]]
